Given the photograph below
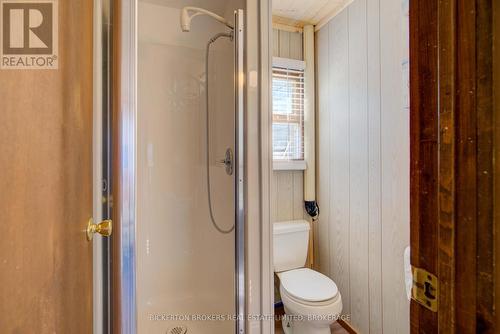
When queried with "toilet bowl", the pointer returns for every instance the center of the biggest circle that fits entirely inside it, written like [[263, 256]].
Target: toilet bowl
[[311, 300]]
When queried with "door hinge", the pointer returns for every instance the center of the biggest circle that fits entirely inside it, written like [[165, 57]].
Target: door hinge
[[425, 290]]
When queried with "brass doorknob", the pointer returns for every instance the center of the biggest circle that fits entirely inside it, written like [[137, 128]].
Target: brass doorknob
[[104, 228]]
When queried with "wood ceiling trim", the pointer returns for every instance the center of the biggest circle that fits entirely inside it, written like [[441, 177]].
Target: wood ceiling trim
[[286, 24]]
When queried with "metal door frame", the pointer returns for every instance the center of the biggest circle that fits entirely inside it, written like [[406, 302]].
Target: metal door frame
[[240, 179], [102, 153]]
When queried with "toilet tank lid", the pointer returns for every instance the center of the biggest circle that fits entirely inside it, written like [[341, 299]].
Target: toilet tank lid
[[290, 226]]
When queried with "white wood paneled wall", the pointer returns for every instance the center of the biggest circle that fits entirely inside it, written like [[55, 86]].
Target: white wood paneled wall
[[287, 186], [287, 195], [287, 44], [363, 163]]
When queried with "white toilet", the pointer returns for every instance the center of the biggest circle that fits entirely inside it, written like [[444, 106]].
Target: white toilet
[[311, 300]]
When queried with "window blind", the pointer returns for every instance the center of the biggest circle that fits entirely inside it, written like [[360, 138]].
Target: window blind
[[288, 113]]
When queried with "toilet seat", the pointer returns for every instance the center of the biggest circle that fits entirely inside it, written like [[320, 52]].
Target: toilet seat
[[308, 286], [327, 302]]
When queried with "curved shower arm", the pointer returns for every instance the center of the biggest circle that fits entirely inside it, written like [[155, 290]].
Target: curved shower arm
[[186, 18]]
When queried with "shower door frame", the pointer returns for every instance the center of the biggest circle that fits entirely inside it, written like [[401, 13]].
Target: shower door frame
[[124, 145], [239, 179], [102, 150]]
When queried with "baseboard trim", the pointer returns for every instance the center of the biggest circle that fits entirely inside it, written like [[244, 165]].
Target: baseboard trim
[[347, 327]]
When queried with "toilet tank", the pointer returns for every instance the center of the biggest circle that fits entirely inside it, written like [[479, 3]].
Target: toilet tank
[[290, 241]]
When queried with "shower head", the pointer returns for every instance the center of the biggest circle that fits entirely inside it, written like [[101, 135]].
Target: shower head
[[186, 17]]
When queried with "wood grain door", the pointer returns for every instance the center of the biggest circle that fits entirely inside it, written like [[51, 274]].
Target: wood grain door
[[454, 178], [46, 186]]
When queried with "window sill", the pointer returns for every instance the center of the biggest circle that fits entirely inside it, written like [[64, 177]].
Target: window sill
[[290, 165]]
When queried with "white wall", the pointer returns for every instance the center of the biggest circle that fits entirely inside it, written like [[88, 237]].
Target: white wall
[[363, 161], [287, 188], [287, 44], [287, 200]]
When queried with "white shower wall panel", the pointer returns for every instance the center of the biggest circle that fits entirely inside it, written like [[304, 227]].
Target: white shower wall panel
[[185, 268]]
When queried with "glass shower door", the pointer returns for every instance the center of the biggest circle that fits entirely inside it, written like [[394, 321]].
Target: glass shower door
[[187, 272]]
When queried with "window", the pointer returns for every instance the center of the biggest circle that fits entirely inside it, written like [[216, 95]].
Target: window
[[288, 110]]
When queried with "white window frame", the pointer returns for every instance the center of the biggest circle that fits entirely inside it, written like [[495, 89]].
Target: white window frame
[[299, 65]]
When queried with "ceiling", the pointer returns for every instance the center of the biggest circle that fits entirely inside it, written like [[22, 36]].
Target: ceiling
[[308, 11]]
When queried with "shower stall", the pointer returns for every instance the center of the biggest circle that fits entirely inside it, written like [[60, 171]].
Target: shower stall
[[178, 153]]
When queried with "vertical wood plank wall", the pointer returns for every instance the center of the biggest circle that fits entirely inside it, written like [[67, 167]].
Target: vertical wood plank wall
[[496, 145], [287, 192], [363, 162], [453, 162], [287, 44]]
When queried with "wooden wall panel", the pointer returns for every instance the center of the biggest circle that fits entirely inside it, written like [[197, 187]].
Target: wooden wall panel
[[424, 138], [358, 165], [466, 156], [296, 50], [46, 187], [284, 43], [488, 109], [284, 194], [287, 193], [287, 44], [446, 238], [374, 168], [338, 199], [395, 158], [363, 162], [453, 162], [323, 173], [485, 169], [298, 195], [276, 42], [496, 156]]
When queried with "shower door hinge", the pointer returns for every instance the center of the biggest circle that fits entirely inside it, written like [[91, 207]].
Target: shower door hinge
[[425, 289]]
